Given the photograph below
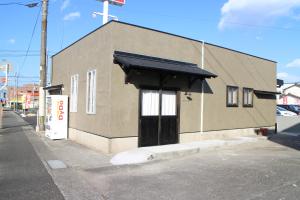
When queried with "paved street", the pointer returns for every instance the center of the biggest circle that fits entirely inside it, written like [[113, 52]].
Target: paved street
[[31, 120], [22, 174], [264, 169]]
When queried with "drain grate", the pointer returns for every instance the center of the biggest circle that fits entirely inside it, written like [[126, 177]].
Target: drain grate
[[56, 164]]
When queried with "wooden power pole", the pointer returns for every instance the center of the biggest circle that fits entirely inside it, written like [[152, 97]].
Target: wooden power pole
[[43, 69]]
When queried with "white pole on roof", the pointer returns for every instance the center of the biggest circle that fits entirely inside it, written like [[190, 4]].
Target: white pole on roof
[[105, 11], [202, 89], [104, 14]]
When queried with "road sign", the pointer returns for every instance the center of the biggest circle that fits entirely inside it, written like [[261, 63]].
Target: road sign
[[4, 66], [3, 80], [28, 101], [117, 2]]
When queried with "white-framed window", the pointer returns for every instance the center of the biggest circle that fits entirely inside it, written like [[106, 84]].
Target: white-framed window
[[232, 96], [91, 92], [168, 107], [247, 97], [74, 93], [150, 103]]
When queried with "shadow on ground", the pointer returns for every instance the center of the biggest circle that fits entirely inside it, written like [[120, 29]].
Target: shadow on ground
[[286, 140], [16, 126], [288, 132], [293, 129], [31, 120]]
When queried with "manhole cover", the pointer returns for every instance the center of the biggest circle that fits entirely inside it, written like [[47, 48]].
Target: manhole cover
[[56, 164]]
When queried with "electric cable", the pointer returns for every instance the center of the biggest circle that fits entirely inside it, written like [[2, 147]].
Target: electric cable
[[32, 35]]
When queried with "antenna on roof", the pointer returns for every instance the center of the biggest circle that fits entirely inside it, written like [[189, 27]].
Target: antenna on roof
[[105, 14]]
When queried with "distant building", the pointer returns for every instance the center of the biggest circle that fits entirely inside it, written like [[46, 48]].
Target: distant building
[[27, 96], [3, 96], [290, 94]]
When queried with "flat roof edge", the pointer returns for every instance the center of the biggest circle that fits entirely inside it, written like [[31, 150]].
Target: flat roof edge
[[155, 30]]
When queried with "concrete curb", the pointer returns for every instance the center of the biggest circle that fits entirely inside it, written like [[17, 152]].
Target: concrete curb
[[146, 154]]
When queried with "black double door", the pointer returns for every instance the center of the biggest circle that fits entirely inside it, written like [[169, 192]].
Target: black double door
[[158, 118]]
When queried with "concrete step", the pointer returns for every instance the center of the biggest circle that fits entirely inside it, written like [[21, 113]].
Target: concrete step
[[146, 154]]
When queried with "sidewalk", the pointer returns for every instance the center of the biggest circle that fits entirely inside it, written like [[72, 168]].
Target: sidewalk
[[72, 154]]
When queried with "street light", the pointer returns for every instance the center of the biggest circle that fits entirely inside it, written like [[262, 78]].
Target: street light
[[31, 5]]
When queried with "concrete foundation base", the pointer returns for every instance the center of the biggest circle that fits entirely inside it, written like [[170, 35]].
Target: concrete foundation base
[[116, 145], [103, 144], [222, 134]]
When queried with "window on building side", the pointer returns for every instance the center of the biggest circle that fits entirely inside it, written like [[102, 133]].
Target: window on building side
[[232, 96], [247, 97], [74, 93], [91, 92]]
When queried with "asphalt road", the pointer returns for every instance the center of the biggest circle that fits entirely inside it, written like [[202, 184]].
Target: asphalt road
[[268, 169], [31, 120], [22, 174]]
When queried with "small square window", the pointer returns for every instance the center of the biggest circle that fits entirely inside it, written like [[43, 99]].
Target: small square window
[[247, 97], [232, 96]]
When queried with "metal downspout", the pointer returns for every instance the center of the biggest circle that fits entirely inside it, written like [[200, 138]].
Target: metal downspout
[[202, 89]]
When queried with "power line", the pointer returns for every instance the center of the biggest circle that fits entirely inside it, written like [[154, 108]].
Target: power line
[[12, 3], [16, 51], [32, 35], [19, 51], [27, 3], [33, 77], [20, 55]]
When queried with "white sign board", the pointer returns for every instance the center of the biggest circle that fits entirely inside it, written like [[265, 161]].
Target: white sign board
[[6, 68], [57, 117], [116, 2]]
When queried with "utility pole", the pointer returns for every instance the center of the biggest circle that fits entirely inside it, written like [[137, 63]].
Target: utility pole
[[15, 93], [17, 82], [43, 69]]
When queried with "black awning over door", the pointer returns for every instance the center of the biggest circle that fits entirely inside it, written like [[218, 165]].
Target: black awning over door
[[165, 67]]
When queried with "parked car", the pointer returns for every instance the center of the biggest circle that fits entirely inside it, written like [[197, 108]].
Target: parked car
[[291, 107], [284, 112]]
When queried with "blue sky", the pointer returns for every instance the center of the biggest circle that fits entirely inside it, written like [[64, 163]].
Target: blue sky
[[268, 29]]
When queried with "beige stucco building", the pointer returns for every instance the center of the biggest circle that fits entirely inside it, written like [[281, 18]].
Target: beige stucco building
[[131, 86]]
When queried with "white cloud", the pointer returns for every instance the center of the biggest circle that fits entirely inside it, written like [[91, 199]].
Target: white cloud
[[255, 12], [72, 16], [259, 38], [289, 78], [294, 63], [282, 75], [12, 41], [64, 5]]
